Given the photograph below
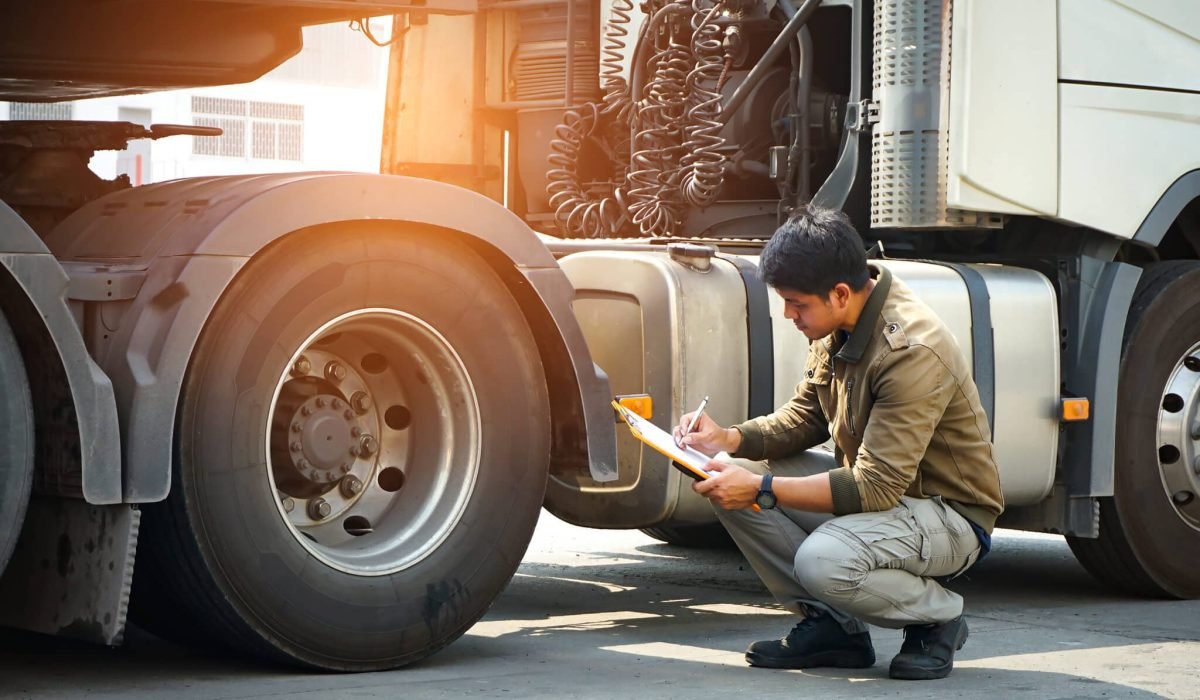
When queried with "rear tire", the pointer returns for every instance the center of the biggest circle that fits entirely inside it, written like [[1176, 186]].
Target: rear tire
[[16, 442], [450, 487], [707, 536], [1149, 541]]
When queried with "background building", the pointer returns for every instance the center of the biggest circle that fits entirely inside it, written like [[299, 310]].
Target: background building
[[321, 110]]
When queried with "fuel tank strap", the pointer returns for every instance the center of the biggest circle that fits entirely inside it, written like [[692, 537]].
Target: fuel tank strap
[[982, 337], [759, 339]]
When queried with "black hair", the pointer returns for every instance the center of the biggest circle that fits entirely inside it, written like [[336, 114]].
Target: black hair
[[813, 251]]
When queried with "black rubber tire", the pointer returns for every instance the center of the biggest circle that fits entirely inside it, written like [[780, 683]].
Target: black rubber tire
[[16, 442], [216, 560], [707, 536], [1145, 547]]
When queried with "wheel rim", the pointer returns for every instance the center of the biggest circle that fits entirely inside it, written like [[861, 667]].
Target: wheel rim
[[373, 441], [1179, 437]]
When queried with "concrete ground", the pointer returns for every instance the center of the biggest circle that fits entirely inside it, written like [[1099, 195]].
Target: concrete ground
[[599, 614]]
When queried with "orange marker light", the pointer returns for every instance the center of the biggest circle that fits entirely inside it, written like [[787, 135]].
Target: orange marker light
[[640, 404], [1075, 410]]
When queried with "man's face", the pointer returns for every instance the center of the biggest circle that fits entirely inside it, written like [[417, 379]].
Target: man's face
[[813, 315]]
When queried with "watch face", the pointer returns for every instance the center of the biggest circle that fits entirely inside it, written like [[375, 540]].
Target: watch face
[[765, 499]]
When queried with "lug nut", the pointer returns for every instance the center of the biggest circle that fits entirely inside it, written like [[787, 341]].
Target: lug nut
[[361, 402], [302, 464], [305, 411], [348, 414], [320, 402], [319, 509], [336, 404], [367, 445], [296, 427], [345, 467], [296, 447], [351, 486], [355, 431], [1196, 465], [288, 504], [335, 372], [301, 366]]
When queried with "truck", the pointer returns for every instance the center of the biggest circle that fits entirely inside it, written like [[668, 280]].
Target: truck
[[314, 417]]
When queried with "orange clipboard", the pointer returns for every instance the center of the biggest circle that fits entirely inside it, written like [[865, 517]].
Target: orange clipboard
[[685, 459]]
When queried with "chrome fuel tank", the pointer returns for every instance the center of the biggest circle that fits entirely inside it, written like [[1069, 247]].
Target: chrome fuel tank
[[679, 333]]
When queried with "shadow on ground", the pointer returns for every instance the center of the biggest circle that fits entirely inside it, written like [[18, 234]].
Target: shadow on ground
[[660, 621]]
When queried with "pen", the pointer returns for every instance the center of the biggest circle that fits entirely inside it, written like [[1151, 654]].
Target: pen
[[692, 422]]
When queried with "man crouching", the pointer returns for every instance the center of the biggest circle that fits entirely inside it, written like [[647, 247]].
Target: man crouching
[[911, 483]]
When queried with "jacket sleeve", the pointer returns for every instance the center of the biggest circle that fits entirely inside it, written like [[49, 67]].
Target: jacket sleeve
[[912, 389], [796, 426]]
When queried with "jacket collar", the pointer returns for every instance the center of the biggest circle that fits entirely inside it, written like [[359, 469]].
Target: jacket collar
[[852, 350]]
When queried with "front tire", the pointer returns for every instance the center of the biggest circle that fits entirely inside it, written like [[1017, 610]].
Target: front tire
[[362, 453], [1149, 541]]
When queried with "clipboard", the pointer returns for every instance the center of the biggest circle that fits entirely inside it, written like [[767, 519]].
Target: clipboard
[[685, 459]]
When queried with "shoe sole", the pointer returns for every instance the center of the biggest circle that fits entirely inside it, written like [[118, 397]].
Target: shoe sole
[[916, 673], [826, 659]]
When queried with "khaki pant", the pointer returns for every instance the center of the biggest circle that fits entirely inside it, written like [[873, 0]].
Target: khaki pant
[[865, 567]]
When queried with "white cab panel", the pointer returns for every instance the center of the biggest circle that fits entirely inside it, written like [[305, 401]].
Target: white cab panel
[[1004, 107], [1152, 43], [1121, 148]]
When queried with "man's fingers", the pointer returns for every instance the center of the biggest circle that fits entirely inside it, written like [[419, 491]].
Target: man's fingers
[[715, 466]]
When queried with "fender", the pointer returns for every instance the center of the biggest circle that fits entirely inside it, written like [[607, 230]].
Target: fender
[[33, 293], [190, 238], [1181, 193]]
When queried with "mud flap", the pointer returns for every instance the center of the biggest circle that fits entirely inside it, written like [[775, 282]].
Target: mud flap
[[72, 569]]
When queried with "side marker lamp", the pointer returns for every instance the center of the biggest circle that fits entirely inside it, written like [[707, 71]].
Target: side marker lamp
[[640, 404], [1075, 410]]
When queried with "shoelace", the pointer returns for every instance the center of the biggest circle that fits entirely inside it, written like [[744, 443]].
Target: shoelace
[[917, 635]]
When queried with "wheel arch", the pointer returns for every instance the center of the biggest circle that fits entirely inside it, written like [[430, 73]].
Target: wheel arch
[[1173, 224], [193, 237]]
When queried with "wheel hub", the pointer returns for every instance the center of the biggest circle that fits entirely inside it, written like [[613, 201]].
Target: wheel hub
[[326, 437], [374, 442], [1179, 437]]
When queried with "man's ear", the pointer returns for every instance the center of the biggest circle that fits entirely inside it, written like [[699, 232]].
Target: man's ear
[[840, 295]]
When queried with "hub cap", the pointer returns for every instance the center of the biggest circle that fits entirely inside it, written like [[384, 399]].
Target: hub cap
[[373, 441], [1179, 437]]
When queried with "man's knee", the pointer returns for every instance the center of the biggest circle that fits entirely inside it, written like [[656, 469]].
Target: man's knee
[[829, 567]]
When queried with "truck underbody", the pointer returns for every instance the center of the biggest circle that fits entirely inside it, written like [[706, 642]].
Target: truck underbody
[[313, 416]]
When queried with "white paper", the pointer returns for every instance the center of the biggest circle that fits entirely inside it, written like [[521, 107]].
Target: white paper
[[664, 442]]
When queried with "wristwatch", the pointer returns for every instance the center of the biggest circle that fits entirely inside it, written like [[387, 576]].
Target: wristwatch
[[766, 497]]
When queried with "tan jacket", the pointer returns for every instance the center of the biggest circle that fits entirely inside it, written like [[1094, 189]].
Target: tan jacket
[[905, 416]]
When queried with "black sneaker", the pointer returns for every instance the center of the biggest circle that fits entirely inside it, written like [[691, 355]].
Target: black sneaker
[[928, 650], [817, 641]]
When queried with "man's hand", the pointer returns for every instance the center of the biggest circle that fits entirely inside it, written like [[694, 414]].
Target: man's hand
[[730, 487], [707, 437]]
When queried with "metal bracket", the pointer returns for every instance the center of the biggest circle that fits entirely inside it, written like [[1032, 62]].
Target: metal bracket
[[861, 116]]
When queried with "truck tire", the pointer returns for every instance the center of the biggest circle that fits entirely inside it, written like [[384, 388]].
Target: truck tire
[[16, 442], [706, 536], [1149, 539], [361, 456]]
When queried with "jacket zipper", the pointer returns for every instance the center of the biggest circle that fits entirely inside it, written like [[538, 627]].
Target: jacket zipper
[[850, 406]]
